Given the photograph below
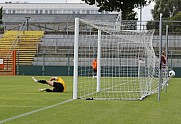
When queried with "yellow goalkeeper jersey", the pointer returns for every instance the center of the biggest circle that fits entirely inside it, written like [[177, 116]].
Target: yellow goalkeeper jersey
[[60, 80]]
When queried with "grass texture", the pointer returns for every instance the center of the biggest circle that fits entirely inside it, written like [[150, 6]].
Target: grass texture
[[21, 103]]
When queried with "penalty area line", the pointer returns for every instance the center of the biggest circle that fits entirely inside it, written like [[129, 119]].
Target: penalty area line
[[35, 111]]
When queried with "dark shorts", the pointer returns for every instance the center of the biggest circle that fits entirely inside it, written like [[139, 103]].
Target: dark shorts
[[58, 87]]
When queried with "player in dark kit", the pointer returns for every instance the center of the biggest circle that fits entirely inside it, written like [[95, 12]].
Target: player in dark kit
[[56, 82], [163, 58]]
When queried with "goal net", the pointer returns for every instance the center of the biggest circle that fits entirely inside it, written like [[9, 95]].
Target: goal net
[[127, 67]]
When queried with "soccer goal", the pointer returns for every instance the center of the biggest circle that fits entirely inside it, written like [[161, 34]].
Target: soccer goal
[[127, 67]]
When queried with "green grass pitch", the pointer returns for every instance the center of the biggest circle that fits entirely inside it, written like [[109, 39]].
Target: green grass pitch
[[21, 103]]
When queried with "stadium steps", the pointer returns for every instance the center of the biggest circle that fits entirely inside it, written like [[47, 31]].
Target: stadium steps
[[55, 53], [6, 72], [24, 42], [58, 51]]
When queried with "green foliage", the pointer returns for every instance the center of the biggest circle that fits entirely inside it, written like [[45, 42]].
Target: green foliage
[[19, 96], [167, 7], [171, 11], [126, 6], [176, 26], [173, 23], [176, 17]]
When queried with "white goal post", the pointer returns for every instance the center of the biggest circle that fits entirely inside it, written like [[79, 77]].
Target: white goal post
[[127, 67]]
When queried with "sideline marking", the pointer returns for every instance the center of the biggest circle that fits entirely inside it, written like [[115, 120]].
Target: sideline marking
[[34, 111]]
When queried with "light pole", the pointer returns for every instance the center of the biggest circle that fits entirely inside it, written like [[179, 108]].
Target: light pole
[[140, 7], [27, 22]]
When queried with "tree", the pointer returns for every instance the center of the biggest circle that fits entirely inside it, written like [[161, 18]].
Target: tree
[[171, 11], [126, 6], [167, 7], [174, 24]]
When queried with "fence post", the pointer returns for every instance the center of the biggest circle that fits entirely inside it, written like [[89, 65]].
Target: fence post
[[43, 65], [17, 71], [68, 62], [160, 53]]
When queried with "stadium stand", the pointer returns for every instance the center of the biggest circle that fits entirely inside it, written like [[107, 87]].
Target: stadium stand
[[57, 50], [53, 23], [62, 23], [44, 18], [24, 42]]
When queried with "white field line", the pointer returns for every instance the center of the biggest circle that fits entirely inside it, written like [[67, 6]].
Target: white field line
[[103, 90], [34, 111]]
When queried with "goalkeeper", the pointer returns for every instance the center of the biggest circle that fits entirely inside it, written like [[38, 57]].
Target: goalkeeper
[[56, 82]]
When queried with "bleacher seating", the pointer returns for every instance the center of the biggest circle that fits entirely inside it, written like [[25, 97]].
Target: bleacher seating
[[59, 50], [24, 42]]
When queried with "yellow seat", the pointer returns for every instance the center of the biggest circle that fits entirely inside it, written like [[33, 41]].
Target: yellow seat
[[24, 42]]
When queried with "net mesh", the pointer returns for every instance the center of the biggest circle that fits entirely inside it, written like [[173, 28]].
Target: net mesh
[[129, 66]]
